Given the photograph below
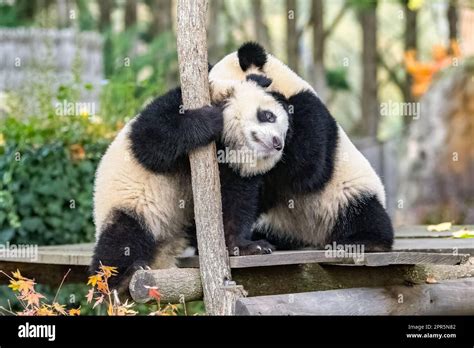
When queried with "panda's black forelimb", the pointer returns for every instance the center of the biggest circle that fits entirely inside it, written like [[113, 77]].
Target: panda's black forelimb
[[240, 199], [164, 133]]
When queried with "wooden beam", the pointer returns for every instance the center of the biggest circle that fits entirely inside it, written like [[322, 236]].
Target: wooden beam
[[436, 245], [319, 256], [193, 67], [455, 297], [81, 254], [274, 280], [421, 231]]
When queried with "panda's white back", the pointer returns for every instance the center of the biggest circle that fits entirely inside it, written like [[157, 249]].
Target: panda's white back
[[158, 200]]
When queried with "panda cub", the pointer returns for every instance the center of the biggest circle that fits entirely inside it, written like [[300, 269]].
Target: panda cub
[[143, 204], [324, 191]]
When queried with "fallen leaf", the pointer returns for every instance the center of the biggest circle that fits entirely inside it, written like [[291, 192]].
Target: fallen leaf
[[445, 226], [463, 233]]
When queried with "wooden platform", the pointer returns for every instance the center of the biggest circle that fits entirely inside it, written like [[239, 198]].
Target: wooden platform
[[418, 255], [413, 245]]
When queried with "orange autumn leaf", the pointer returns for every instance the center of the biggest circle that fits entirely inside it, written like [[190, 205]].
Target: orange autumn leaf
[[109, 271], [59, 308], [77, 152], [23, 286], [93, 279], [75, 311], [32, 298], [44, 311], [18, 275], [154, 293], [102, 287]]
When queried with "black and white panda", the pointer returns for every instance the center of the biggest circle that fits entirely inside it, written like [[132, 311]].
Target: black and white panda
[[143, 206], [324, 190]]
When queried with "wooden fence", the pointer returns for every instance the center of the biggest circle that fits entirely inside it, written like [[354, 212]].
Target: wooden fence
[[29, 54]]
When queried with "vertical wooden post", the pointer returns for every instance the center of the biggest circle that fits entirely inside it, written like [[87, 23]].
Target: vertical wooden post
[[193, 68]]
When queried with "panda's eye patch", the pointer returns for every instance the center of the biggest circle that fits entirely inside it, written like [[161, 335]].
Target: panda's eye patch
[[266, 116]]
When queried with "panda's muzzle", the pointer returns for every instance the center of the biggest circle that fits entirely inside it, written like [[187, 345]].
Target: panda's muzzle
[[277, 144]]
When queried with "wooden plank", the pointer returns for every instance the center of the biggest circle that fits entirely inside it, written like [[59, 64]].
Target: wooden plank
[[436, 245], [454, 297], [279, 258], [81, 254], [421, 231]]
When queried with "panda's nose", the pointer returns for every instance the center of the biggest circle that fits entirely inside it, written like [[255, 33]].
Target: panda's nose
[[277, 145]]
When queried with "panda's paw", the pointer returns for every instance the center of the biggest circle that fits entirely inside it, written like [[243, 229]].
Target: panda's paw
[[258, 247]]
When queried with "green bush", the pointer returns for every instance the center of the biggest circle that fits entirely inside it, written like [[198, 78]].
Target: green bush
[[47, 168]]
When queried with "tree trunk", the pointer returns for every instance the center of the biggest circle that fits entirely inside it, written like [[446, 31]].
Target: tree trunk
[[368, 125], [162, 17], [261, 30], [452, 15], [319, 75], [213, 256], [105, 14], [411, 43], [291, 35], [437, 170], [130, 13]]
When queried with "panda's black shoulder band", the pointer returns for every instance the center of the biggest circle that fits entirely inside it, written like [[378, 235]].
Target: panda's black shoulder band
[[261, 80], [251, 53]]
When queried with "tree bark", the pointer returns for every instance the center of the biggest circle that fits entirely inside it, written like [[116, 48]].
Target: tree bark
[[368, 124], [130, 13], [162, 17], [319, 75], [261, 30], [411, 43], [452, 15], [213, 256], [291, 35]]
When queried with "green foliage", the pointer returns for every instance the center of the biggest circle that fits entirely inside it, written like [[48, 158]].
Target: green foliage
[[337, 79], [20, 13], [135, 79], [47, 168], [86, 19]]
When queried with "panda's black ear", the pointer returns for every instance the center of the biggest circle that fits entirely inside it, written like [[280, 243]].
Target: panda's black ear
[[251, 53], [261, 80]]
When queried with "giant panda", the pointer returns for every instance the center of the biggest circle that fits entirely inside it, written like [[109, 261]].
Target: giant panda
[[324, 191], [143, 206]]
